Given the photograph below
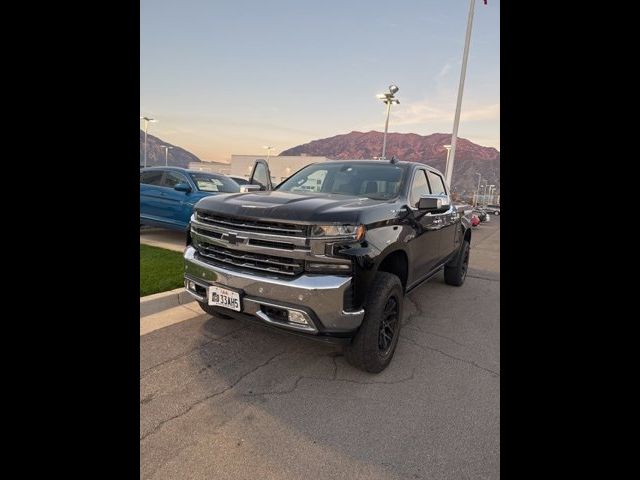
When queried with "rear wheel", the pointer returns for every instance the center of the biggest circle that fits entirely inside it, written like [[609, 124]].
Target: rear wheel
[[455, 271], [213, 311], [375, 343]]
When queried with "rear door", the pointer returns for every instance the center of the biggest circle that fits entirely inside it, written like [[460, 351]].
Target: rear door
[[151, 194], [425, 247], [449, 219], [261, 176]]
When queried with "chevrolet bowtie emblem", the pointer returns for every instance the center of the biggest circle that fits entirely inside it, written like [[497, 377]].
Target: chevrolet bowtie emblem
[[231, 238]]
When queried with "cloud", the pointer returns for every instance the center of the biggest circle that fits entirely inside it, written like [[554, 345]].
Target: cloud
[[419, 113], [478, 121], [445, 69]]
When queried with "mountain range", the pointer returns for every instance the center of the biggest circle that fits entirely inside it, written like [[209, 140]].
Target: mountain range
[[178, 157], [470, 158]]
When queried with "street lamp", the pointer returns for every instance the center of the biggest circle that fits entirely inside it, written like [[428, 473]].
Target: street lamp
[[475, 203], [166, 154], [268, 148], [387, 99], [485, 197], [147, 120]]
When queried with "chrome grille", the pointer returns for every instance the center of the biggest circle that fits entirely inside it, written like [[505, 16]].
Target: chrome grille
[[256, 226], [255, 261]]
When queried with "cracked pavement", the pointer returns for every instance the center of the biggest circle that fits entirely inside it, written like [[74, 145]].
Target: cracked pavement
[[229, 399]]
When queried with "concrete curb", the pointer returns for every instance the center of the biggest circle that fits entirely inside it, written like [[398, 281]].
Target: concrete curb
[[164, 300]]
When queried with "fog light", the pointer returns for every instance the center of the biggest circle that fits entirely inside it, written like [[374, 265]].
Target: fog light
[[191, 285], [328, 267], [297, 317]]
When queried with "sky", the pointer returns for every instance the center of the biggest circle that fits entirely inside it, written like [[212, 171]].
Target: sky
[[227, 77]]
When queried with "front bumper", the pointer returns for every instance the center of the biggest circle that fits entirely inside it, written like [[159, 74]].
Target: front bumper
[[318, 298]]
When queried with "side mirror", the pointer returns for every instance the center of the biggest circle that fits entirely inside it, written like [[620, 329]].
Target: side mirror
[[249, 188], [434, 203], [182, 187]]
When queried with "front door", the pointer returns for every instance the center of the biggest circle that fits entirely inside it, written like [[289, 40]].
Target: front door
[[177, 204], [449, 219], [424, 249]]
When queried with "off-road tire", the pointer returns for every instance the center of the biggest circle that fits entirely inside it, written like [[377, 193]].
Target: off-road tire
[[455, 271], [212, 311], [370, 350]]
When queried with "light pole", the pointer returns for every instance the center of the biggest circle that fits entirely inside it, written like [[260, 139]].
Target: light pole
[[463, 73], [475, 203], [147, 120], [491, 192], [268, 148], [485, 197], [166, 154], [388, 99]]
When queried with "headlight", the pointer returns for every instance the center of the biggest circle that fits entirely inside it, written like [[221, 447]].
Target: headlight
[[354, 231]]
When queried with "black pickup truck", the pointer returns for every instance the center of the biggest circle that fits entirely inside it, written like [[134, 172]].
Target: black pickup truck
[[330, 252]]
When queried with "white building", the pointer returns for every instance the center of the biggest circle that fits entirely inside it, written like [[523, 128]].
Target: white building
[[280, 167], [211, 167]]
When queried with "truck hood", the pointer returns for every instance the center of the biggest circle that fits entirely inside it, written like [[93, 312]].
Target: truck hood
[[288, 206]]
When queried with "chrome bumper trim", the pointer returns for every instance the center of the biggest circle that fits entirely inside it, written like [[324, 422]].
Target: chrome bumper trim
[[321, 294]]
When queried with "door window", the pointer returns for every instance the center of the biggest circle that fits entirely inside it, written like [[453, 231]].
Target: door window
[[419, 187], [260, 175], [437, 185], [171, 179], [152, 177]]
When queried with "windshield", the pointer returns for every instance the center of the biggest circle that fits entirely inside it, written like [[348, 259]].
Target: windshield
[[378, 181], [207, 182]]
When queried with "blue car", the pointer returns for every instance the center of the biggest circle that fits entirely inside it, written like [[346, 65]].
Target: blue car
[[168, 194]]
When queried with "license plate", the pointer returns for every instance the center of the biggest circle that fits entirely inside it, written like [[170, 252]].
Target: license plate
[[223, 297]]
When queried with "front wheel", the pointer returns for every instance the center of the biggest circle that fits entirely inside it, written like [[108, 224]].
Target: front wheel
[[375, 343], [455, 271]]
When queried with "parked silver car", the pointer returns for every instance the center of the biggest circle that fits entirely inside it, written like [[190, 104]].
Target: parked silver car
[[495, 209]]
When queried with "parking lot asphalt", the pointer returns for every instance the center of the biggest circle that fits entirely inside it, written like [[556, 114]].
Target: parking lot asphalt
[[229, 399]]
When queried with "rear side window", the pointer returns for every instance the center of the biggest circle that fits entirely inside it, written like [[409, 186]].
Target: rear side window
[[151, 178], [171, 179], [437, 185], [418, 188]]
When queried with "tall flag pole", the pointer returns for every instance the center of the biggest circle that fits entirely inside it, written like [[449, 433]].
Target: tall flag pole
[[463, 73]]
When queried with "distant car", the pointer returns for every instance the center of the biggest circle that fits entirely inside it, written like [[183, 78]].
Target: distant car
[[495, 209], [168, 194], [239, 180], [245, 185], [475, 221]]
